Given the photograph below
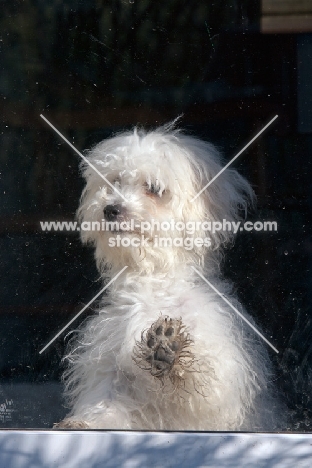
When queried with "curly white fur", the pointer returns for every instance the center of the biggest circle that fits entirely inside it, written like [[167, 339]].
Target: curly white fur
[[226, 387]]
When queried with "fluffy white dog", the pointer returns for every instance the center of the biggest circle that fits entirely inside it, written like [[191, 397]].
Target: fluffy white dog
[[164, 350]]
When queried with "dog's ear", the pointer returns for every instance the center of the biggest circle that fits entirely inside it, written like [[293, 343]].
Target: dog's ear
[[227, 200], [218, 195]]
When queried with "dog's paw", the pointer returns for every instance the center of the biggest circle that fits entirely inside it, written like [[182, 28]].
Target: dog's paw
[[68, 423], [164, 349]]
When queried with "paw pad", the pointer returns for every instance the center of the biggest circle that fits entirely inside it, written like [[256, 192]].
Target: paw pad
[[163, 349]]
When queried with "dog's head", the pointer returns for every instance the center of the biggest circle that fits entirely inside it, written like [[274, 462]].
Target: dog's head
[[144, 205]]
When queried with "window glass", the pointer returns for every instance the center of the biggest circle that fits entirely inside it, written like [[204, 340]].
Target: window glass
[[97, 68]]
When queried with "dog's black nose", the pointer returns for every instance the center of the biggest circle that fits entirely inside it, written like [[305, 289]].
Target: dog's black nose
[[111, 212]]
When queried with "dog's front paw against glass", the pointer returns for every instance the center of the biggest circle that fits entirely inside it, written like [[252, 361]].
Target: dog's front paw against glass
[[68, 423], [164, 350]]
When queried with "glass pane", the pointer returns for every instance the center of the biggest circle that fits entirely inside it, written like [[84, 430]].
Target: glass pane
[[78, 72]]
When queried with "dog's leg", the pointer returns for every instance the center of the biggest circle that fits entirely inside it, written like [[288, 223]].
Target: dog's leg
[[164, 349], [68, 423]]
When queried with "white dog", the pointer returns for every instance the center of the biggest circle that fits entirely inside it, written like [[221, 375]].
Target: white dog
[[164, 350]]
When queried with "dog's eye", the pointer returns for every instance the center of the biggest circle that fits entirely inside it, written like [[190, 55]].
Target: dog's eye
[[153, 189]]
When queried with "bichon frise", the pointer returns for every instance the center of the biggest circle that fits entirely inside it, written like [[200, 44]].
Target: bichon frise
[[164, 350]]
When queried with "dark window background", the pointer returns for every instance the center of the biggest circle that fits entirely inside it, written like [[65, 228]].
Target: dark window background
[[96, 67]]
